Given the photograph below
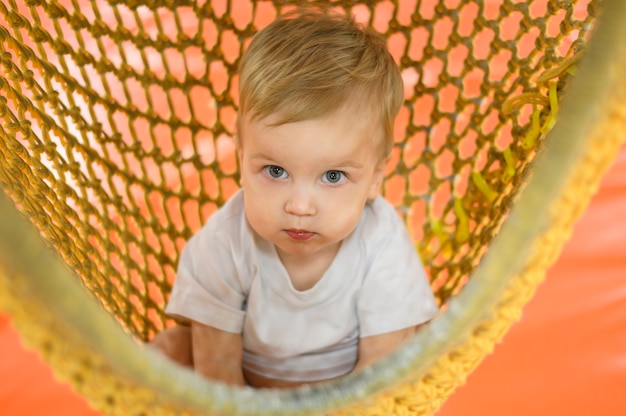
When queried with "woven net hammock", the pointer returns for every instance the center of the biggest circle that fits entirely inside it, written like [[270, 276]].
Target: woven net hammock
[[116, 125]]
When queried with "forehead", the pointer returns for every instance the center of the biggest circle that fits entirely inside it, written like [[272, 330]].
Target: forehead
[[310, 145], [352, 123]]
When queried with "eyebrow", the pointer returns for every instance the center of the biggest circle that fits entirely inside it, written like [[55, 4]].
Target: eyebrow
[[350, 164], [261, 156], [343, 164]]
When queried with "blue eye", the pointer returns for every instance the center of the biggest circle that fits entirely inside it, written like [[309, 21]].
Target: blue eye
[[334, 177], [276, 172]]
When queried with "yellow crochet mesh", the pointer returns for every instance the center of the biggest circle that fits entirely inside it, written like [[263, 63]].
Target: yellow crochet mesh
[[116, 120]]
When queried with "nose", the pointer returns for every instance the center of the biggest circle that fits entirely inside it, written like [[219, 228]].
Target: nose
[[300, 202]]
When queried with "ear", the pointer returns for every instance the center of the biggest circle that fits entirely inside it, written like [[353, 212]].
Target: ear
[[239, 155], [238, 149], [377, 179]]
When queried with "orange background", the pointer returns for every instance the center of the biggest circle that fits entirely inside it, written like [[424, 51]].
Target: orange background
[[567, 356]]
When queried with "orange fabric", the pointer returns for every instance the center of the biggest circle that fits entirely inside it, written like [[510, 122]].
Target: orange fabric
[[565, 357], [27, 386]]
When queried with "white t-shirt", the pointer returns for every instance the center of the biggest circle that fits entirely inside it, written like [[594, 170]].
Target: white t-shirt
[[233, 280]]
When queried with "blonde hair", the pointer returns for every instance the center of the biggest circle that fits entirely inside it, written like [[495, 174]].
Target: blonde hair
[[309, 63]]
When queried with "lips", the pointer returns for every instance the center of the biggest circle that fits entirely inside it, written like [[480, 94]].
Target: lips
[[299, 235]]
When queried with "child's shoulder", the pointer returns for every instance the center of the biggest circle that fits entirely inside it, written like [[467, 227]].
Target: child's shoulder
[[379, 214], [232, 208], [225, 233], [379, 222], [229, 218]]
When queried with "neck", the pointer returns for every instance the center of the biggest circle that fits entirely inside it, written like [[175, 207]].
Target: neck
[[306, 270]]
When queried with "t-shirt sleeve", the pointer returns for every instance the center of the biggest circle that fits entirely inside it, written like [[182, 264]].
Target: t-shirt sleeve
[[207, 288], [395, 293]]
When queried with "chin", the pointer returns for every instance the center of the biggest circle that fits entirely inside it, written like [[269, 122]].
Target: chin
[[296, 249]]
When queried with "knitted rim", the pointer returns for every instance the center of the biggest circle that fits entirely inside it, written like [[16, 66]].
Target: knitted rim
[[51, 306]]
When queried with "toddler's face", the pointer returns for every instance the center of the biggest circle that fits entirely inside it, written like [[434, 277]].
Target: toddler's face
[[306, 183]]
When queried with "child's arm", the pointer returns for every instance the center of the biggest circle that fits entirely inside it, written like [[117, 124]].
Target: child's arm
[[217, 354], [375, 347]]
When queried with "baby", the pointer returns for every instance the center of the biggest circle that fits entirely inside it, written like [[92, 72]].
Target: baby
[[306, 274]]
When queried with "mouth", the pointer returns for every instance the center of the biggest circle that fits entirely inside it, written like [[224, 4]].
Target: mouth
[[299, 235]]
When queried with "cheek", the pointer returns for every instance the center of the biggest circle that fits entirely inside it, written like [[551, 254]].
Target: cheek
[[256, 212], [260, 204], [345, 209]]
